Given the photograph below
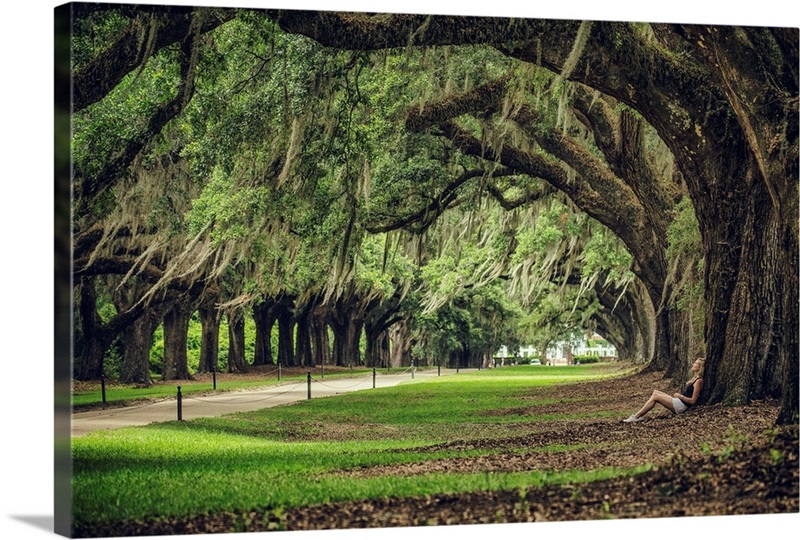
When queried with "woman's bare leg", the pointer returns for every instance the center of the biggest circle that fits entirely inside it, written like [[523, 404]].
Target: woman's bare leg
[[657, 397]]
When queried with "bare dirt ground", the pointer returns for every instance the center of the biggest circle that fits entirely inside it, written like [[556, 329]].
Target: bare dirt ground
[[711, 460]]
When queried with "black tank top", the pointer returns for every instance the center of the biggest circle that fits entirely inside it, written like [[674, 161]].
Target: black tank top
[[689, 390]]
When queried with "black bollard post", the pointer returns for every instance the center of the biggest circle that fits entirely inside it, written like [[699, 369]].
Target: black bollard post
[[279, 372], [180, 405], [373, 377], [323, 370], [439, 370], [457, 369], [214, 376], [103, 386], [309, 385]]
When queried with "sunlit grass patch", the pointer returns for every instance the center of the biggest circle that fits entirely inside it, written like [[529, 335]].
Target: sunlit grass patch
[[177, 472]]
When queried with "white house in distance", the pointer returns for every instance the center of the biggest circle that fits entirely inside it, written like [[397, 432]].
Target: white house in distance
[[559, 352]]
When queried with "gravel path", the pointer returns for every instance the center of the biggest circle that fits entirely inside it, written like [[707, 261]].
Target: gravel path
[[239, 401]]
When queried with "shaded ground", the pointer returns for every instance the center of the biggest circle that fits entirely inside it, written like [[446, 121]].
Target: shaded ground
[[718, 460], [751, 481], [610, 442]]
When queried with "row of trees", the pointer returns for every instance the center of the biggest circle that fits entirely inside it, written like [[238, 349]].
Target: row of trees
[[441, 185]]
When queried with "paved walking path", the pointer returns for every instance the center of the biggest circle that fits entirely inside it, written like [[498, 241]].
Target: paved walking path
[[238, 401]]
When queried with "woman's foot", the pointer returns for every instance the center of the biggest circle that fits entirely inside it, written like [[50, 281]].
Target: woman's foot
[[632, 418]]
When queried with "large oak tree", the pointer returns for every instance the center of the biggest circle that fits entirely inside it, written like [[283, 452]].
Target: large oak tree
[[725, 101]]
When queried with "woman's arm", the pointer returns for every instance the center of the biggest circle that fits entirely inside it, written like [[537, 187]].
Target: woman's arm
[[698, 385]]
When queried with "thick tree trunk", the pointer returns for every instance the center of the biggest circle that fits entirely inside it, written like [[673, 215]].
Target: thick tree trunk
[[628, 321], [286, 355], [748, 330], [320, 340], [384, 349], [92, 354], [138, 336], [681, 344], [751, 233], [400, 344], [303, 352], [95, 343], [347, 322], [210, 318], [137, 340], [476, 358], [346, 341], [96, 336], [237, 362], [790, 405], [377, 352], [265, 320], [372, 354], [176, 329]]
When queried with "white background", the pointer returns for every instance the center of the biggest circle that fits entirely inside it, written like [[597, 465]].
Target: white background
[[26, 196]]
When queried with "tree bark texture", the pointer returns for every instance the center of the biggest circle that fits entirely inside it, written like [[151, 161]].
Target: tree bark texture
[[237, 363], [264, 317], [95, 343], [346, 342], [176, 329], [347, 323], [97, 336], [303, 354], [376, 331], [320, 339], [137, 340], [377, 351], [285, 317], [210, 318], [137, 336], [401, 344], [628, 320]]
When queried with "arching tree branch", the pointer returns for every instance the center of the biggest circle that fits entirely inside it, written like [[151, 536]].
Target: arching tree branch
[[171, 24], [91, 187]]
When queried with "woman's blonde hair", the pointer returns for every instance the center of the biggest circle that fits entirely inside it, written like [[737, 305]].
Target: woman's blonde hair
[[702, 361]]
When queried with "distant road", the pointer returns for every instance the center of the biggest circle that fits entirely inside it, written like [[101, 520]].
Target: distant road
[[238, 401]]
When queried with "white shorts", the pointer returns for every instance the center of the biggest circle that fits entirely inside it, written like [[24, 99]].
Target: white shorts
[[679, 405]]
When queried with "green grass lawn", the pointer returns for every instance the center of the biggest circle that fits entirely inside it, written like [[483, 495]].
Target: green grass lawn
[[280, 458]]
